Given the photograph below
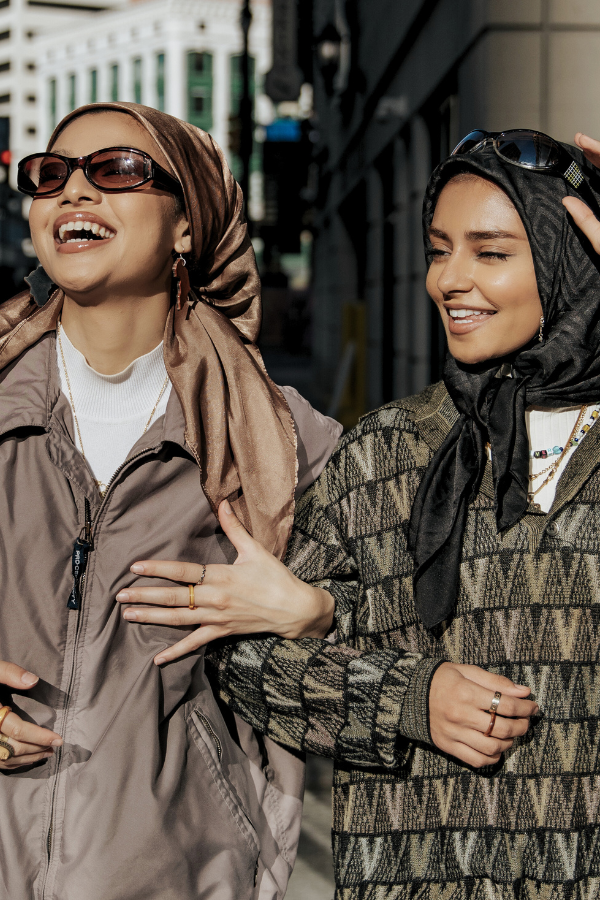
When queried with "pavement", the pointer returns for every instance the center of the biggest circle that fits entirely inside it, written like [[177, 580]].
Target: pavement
[[312, 878]]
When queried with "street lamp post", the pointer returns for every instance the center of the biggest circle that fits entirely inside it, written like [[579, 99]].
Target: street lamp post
[[246, 111]]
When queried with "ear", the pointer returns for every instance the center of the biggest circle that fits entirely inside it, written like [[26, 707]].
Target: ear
[[183, 238]]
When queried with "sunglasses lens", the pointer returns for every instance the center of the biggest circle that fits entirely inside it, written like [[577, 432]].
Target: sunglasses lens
[[119, 169], [469, 142], [43, 174], [528, 148]]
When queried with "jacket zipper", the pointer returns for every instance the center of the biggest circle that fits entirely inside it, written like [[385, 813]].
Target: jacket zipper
[[90, 526], [211, 731]]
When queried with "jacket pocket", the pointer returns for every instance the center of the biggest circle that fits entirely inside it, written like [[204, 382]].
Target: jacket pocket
[[209, 744]]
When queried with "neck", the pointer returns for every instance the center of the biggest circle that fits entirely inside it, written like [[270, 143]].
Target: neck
[[112, 335]]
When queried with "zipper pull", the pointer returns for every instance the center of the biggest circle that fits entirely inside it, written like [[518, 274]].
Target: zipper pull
[[79, 559]]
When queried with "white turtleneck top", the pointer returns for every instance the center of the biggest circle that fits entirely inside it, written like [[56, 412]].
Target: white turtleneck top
[[112, 410]]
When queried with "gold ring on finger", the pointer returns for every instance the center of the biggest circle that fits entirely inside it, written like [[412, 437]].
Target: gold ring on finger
[[192, 603], [4, 711], [495, 703], [6, 750], [201, 579], [490, 727]]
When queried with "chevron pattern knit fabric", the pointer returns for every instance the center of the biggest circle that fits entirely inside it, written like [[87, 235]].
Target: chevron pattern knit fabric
[[409, 821]]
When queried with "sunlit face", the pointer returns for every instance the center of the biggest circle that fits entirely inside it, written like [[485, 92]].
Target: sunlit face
[[141, 227], [482, 278]]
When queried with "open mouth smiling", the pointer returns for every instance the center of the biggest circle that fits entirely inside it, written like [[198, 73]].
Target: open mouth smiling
[[76, 231]]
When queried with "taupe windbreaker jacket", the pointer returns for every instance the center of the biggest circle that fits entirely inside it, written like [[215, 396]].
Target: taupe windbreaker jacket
[[154, 794]]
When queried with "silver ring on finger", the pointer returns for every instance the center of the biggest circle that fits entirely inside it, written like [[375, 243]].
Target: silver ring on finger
[[201, 579], [495, 703], [6, 749]]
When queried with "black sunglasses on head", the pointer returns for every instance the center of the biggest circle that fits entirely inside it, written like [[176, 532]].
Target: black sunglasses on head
[[113, 170], [532, 150]]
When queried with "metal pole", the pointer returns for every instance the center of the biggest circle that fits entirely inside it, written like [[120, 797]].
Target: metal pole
[[246, 110]]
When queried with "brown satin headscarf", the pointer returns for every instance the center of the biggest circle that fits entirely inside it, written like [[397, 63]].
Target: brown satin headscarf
[[238, 425]]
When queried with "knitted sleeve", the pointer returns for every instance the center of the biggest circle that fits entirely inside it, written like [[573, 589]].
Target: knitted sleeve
[[363, 706]]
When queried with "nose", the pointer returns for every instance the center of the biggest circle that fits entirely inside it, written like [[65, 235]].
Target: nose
[[78, 190], [456, 274]]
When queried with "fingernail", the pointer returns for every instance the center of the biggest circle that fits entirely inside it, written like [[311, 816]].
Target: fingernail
[[29, 678], [227, 507], [130, 614], [138, 568], [57, 742], [123, 596], [160, 660]]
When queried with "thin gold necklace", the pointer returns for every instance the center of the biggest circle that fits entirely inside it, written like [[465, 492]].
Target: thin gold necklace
[[101, 486], [554, 467]]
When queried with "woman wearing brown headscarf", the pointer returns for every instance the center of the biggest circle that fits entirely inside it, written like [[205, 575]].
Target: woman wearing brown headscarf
[[133, 402]]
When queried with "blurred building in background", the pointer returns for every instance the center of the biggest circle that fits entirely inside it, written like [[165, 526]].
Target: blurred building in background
[[396, 85], [180, 56]]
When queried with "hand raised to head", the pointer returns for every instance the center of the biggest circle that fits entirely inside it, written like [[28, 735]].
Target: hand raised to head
[[582, 215]]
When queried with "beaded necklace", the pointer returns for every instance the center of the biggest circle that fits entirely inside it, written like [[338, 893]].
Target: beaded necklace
[[573, 441], [579, 431]]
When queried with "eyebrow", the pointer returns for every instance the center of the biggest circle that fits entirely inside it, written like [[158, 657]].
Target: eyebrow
[[476, 235]]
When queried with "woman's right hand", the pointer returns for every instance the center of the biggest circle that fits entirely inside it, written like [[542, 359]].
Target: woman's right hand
[[459, 701], [582, 215], [29, 742]]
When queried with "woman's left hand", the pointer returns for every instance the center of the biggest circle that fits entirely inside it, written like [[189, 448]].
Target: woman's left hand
[[256, 594], [582, 215]]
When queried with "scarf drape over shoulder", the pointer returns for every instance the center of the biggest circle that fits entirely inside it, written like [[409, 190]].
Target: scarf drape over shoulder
[[562, 371], [238, 424]]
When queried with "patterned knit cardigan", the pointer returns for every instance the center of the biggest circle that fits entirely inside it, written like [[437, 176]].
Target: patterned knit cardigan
[[410, 821]]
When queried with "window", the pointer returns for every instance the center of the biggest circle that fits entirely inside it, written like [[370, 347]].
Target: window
[[93, 85], [200, 90], [30, 66], [4, 98], [29, 35], [31, 130], [4, 3], [5, 66], [4, 35], [114, 82], [137, 80], [72, 91], [160, 81], [31, 98], [52, 102]]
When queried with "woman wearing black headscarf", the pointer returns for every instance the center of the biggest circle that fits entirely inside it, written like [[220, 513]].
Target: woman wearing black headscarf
[[458, 532]]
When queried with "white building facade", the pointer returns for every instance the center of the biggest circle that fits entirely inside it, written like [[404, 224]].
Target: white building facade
[[180, 56], [21, 23]]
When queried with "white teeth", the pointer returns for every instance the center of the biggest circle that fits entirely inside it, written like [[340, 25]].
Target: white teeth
[[77, 225], [466, 313]]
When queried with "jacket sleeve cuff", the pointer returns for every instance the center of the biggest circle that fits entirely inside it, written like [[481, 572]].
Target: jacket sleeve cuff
[[414, 712]]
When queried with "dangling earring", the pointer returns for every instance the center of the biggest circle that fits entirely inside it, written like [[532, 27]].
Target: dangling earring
[[541, 334], [182, 280]]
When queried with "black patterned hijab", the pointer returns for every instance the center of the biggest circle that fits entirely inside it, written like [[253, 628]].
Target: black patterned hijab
[[562, 371]]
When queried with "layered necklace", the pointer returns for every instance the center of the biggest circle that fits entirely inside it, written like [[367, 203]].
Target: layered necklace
[[102, 487], [578, 433]]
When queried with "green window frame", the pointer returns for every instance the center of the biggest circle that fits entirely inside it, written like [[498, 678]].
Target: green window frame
[[72, 90], [200, 90], [137, 80], [52, 102], [160, 81], [114, 82], [93, 85]]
